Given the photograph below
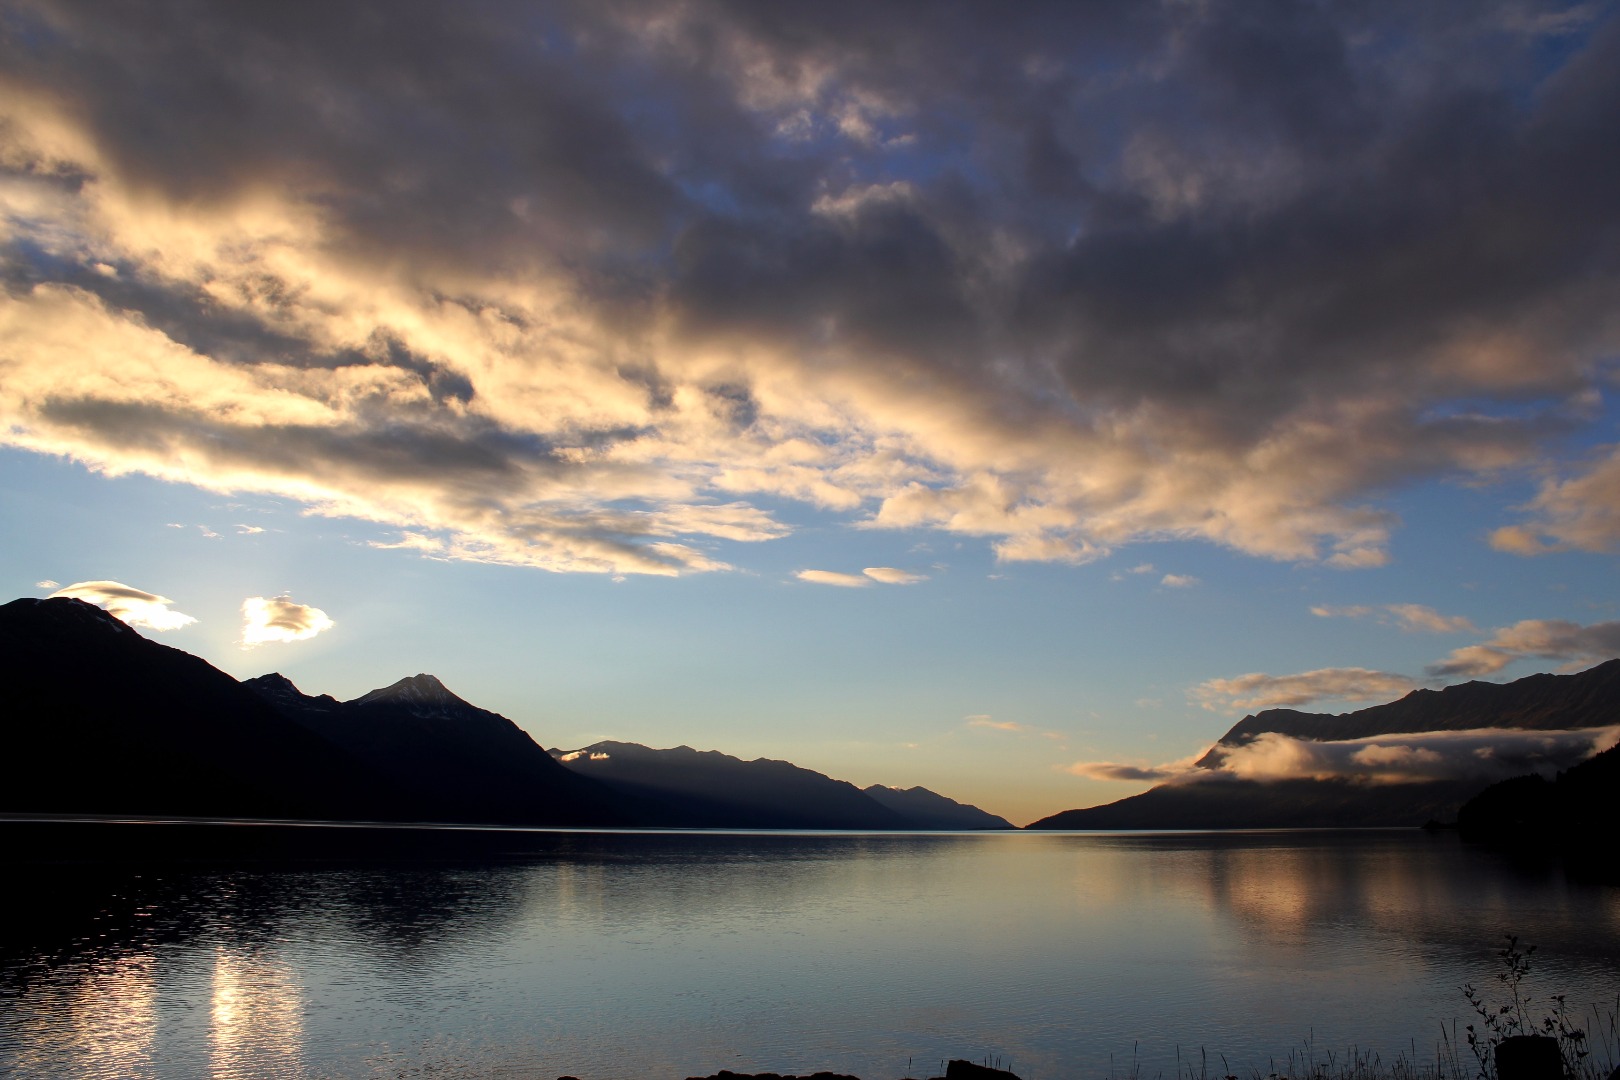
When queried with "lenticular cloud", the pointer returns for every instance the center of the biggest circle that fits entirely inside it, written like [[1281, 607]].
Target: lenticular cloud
[[136, 607], [278, 619]]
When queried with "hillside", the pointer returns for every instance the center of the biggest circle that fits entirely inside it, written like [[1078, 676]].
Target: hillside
[[1211, 796]]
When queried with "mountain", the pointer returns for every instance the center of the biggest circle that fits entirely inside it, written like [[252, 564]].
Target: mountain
[[929, 810], [1213, 797], [690, 788], [1587, 699], [1219, 803], [1578, 806], [457, 762], [101, 720]]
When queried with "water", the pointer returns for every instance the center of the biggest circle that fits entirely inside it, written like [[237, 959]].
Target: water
[[648, 955]]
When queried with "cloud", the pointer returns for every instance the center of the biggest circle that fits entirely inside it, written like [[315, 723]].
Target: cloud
[[1573, 645], [267, 620], [136, 607], [1063, 280], [1113, 770], [248, 530], [1436, 755], [47, 584], [891, 576], [1581, 513], [1258, 691], [983, 721], [1485, 753], [1412, 617], [832, 577], [1178, 581]]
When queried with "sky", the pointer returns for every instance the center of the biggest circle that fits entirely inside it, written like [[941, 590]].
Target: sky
[[998, 398]]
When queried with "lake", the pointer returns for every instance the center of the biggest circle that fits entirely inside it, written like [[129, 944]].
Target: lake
[[665, 955]]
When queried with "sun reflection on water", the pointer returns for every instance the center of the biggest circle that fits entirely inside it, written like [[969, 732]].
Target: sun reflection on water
[[256, 1022]]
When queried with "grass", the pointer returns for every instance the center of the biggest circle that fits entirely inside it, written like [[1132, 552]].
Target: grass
[[1588, 1042]]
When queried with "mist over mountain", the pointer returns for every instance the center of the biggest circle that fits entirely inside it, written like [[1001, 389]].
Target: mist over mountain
[[1406, 762], [1534, 703]]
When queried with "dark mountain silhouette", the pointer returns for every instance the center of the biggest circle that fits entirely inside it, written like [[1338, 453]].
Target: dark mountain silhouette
[[708, 789], [1221, 803], [930, 810], [101, 720], [1578, 806], [457, 762], [1588, 699]]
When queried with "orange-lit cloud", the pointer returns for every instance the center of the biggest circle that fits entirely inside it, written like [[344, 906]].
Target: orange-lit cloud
[[833, 577], [1581, 513], [585, 341], [1260, 691], [890, 575], [1573, 645], [137, 607], [1412, 617]]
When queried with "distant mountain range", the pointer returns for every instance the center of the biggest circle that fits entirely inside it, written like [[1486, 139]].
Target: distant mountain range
[[104, 721], [1468, 729], [706, 789]]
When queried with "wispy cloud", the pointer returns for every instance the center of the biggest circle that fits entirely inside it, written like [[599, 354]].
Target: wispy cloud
[[137, 607], [1571, 644], [1413, 617], [1260, 691], [1577, 513], [267, 620], [984, 721], [1178, 581], [1137, 773], [833, 577], [890, 575], [47, 584]]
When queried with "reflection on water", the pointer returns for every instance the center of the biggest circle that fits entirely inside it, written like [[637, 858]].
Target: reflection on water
[[665, 955]]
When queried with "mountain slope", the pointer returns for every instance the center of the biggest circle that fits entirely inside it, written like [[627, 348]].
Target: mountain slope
[[707, 789], [1213, 798], [458, 762], [101, 720], [930, 810], [1534, 703]]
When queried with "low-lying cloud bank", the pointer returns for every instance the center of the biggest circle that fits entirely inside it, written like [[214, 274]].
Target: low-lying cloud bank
[[1485, 753], [606, 288]]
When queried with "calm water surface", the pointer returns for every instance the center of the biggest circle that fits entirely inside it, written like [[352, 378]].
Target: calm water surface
[[665, 955]]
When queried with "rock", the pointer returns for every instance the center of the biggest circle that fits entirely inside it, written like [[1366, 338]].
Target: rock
[[967, 1070], [727, 1074], [1529, 1057]]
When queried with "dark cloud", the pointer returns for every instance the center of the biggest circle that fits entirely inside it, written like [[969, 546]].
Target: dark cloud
[[1061, 275]]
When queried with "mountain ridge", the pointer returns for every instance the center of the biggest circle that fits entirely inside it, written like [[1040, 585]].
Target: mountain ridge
[[1212, 798], [107, 721]]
